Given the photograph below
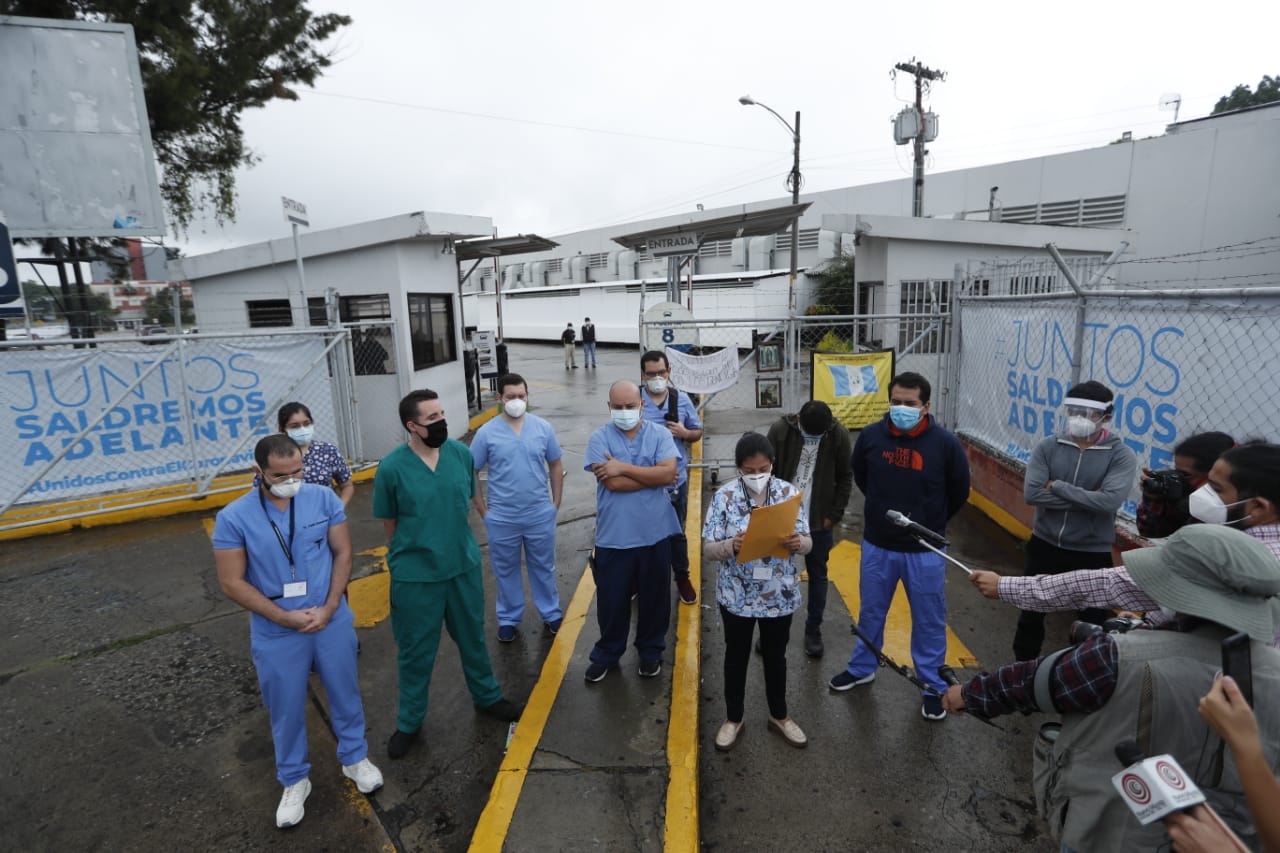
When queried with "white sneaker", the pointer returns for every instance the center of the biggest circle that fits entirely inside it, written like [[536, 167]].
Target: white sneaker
[[367, 777], [290, 811]]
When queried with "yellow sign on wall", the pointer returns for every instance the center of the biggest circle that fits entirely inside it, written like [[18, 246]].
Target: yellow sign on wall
[[855, 385]]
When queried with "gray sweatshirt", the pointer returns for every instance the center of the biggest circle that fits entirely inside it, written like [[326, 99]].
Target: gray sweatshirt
[[1079, 512]]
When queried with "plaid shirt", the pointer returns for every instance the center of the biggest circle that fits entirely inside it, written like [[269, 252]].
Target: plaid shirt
[[1082, 681]]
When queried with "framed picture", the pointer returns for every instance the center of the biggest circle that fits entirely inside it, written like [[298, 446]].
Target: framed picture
[[769, 356], [768, 392]]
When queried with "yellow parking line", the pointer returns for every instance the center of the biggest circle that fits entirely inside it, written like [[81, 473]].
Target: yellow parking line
[[491, 831], [842, 570], [681, 828]]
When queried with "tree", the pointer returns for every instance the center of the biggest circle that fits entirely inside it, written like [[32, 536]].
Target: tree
[[1268, 91], [837, 286], [158, 308], [45, 303], [203, 63]]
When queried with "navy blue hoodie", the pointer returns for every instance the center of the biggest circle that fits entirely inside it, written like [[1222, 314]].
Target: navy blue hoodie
[[923, 474]]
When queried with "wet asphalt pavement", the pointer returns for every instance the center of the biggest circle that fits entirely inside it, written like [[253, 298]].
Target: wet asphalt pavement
[[132, 719]]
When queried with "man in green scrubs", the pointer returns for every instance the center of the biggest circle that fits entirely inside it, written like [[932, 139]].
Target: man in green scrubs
[[422, 493]]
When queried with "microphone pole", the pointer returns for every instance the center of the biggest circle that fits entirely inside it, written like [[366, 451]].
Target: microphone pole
[[925, 537]]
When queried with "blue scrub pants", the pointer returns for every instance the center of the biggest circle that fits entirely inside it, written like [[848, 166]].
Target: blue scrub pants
[[284, 663], [419, 609], [615, 571], [923, 575], [537, 538]]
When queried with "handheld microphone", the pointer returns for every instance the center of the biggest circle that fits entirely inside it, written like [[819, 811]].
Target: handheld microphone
[[918, 530], [1153, 788]]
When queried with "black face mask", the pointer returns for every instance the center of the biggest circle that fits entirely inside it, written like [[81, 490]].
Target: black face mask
[[437, 432]]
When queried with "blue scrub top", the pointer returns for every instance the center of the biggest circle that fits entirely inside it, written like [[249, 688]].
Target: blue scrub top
[[688, 417], [632, 519], [243, 523], [518, 480]]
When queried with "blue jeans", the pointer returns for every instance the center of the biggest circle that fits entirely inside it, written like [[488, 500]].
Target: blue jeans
[[815, 563], [589, 354]]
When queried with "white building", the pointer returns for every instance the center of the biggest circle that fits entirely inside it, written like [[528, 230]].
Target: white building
[[395, 280]]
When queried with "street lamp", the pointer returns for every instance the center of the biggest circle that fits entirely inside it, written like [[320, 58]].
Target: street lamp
[[793, 180]]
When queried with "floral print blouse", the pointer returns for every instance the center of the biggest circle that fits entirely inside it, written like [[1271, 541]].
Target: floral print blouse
[[737, 589]]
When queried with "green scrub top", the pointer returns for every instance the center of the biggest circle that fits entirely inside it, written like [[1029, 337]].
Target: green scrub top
[[433, 540]]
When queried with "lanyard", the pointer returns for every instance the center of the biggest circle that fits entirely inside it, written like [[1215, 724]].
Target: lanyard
[[286, 547], [746, 497]]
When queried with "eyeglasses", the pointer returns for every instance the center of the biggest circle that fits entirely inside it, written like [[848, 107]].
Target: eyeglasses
[[654, 374]]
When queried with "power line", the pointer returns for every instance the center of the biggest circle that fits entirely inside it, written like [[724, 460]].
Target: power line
[[537, 123]]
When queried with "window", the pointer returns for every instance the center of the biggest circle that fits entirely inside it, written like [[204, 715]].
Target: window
[[918, 332], [351, 309], [269, 313], [431, 330]]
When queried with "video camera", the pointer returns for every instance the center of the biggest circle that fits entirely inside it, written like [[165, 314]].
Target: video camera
[[1169, 484], [1081, 630]]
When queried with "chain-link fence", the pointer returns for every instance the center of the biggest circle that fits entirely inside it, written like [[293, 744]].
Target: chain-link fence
[[134, 413], [1179, 364]]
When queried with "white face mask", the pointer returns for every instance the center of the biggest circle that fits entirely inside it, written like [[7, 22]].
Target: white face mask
[[756, 482], [1079, 426], [656, 385], [1206, 505], [625, 419], [301, 435], [515, 408], [287, 489]]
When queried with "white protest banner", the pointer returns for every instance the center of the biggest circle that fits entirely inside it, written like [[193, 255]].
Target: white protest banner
[[703, 374], [196, 412]]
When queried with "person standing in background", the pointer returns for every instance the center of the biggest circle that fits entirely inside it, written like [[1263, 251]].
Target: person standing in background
[[566, 338], [811, 449], [588, 343], [322, 462]]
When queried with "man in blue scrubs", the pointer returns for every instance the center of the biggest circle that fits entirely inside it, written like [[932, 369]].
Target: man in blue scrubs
[[673, 410], [634, 463], [521, 452], [283, 552]]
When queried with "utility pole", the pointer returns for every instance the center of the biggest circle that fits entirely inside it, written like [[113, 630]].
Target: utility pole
[[923, 76]]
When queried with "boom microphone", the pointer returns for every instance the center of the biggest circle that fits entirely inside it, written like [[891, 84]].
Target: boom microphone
[[917, 530]]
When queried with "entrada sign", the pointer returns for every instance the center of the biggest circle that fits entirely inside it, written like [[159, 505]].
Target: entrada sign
[[673, 244]]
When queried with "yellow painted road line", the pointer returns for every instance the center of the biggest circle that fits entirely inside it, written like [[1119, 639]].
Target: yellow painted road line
[[681, 828], [842, 570], [370, 597], [483, 418], [491, 831], [992, 511]]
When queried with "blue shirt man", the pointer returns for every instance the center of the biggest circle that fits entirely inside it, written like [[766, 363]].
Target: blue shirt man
[[634, 462], [525, 482], [668, 407], [283, 552]]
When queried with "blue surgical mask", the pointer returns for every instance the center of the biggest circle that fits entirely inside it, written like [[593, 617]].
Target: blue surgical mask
[[302, 435], [904, 417], [625, 419]]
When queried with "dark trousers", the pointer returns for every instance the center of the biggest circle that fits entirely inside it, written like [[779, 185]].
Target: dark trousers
[[617, 571], [774, 633], [815, 563], [679, 542], [1044, 558]]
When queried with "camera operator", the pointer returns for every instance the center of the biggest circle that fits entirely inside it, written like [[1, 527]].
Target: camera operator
[[1242, 490], [1163, 508], [1219, 581]]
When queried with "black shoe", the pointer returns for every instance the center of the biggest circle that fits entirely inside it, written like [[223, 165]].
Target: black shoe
[[399, 744], [503, 709], [650, 668], [813, 644], [597, 672], [553, 627]]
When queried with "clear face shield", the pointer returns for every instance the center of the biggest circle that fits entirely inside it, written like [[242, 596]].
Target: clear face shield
[[1082, 418]]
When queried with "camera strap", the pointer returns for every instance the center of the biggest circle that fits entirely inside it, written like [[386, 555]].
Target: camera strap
[[1040, 687]]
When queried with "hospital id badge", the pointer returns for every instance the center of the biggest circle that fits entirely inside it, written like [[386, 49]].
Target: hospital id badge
[[296, 589], [762, 572]]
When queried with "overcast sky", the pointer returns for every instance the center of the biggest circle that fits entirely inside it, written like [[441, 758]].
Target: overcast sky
[[562, 115]]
